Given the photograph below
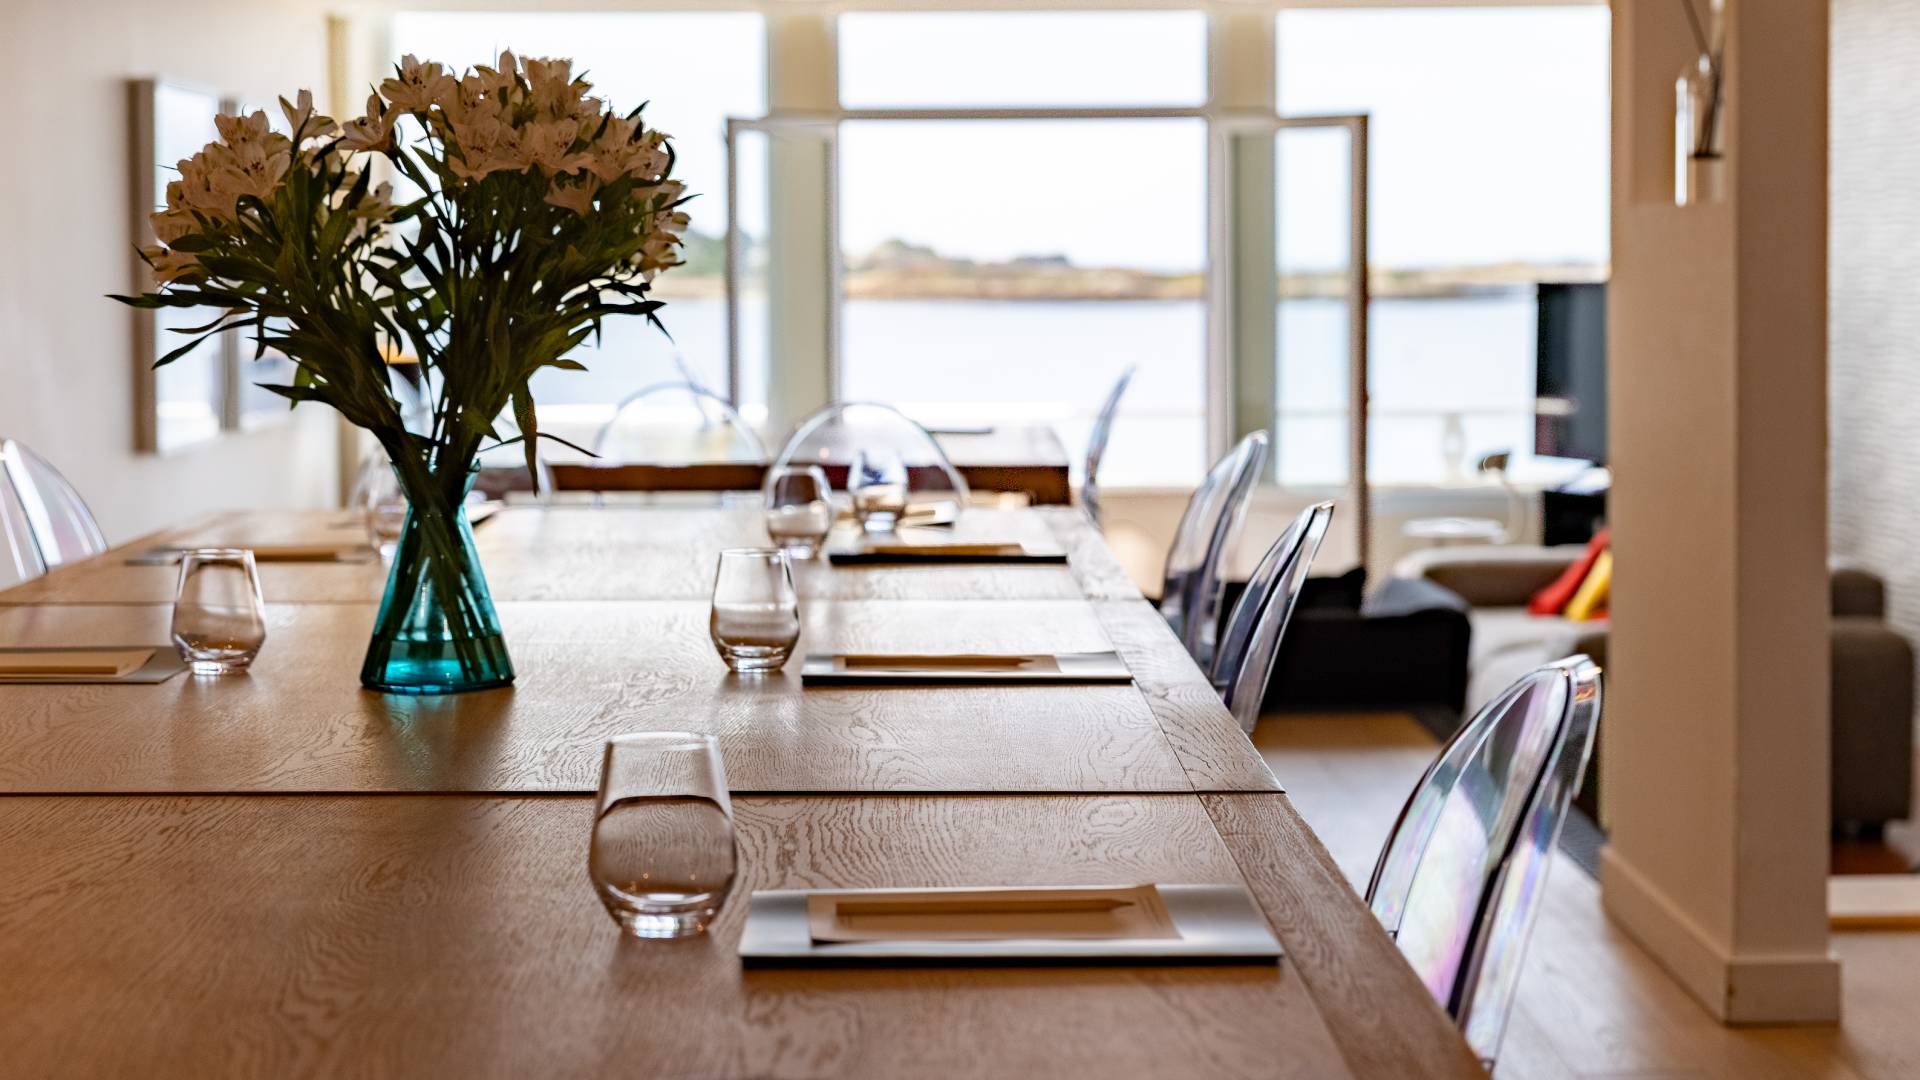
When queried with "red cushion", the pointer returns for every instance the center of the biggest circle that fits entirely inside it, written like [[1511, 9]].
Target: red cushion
[[1553, 599]]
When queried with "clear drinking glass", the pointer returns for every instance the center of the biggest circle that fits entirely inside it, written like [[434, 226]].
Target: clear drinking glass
[[877, 480], [219, 619], [799, 504], [385, 506], [662, 855], [756, 616]]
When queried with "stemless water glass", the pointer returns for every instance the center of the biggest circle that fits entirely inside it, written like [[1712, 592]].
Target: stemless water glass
[[386, 510], [662, 855], [877, 480], [756, 617], [219, 620], [799, 505]]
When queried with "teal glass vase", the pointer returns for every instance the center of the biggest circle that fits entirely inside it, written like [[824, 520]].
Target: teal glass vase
[[437, 631]]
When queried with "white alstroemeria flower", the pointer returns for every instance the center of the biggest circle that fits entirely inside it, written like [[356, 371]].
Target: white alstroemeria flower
[[648, 161], [549, 144], [498, 80], [376, 205], [301, 117], [240, 130], [613, 151], [554, 91], [171, 224], [195, 190], [485, 145], [168, 265], [418, 87], [373, 131], [576, 196]]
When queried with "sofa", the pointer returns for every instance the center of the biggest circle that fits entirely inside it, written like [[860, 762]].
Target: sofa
[[1872, 665]]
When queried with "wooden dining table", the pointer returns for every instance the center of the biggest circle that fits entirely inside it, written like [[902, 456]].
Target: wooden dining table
[[282, 873]]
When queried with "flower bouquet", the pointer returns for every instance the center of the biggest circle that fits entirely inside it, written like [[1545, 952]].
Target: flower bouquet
[[540, 212]]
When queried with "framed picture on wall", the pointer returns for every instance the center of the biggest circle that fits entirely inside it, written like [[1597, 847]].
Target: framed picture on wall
[[190, 400]]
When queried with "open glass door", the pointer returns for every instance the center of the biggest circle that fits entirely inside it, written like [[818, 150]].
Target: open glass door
[[780, 274], [1297, 322]]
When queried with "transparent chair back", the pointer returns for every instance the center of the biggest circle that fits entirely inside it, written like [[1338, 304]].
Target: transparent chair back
[[19, 555], [832, 437], [1244, 661], [1190, 592], [58, 522], [1097, 446], [1459, 882], [678, 423]]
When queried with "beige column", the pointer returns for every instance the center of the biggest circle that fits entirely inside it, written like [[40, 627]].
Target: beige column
[[1715, 737], [1242, 77], [803, 77]]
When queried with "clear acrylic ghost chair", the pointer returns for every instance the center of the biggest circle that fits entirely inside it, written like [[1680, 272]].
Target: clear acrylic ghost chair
[[19, 555], [1190, 591], [1244, 660], [678, 423], [1097, 447], [58, 522], [1459, 882], [830, 438]]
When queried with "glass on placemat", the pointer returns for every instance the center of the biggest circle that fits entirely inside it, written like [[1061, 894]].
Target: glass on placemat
[[756, 614], [219, 619], [799, 505], [662, 856]]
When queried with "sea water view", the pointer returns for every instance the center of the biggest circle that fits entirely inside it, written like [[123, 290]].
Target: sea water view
[[1451, 376]]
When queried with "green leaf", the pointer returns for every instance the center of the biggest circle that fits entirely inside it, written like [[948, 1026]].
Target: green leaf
[[529, 430]]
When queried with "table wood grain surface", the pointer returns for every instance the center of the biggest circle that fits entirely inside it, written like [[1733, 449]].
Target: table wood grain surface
[[406, 936], [281, 873], [300, 721]]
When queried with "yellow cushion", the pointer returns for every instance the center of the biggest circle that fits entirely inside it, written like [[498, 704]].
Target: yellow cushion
[[1590, 600]]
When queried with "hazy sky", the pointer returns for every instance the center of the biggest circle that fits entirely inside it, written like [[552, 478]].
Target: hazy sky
[[1489, 125]]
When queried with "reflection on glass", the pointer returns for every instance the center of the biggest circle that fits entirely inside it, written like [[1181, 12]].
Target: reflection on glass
[[662, 855], [219, 619]]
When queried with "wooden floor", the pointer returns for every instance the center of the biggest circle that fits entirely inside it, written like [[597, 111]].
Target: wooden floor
[[1592, 1004]]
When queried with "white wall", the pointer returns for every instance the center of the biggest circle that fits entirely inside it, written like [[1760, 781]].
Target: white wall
[[1874, 305], [66, 367]]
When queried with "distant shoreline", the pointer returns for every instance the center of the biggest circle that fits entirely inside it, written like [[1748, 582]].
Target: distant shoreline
[[1097, 286]]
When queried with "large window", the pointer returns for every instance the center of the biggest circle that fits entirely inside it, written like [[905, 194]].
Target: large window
[[1489, 143], [1008, 270], [693, 70]]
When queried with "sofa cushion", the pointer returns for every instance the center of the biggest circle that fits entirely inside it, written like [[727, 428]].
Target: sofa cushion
[[1491, 576], [1508, 642]]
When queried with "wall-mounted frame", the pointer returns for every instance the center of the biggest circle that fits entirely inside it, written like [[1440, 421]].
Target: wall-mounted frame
[[186, 402], [212, 389]]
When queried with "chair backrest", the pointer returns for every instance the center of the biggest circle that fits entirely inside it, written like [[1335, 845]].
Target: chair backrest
[[678, 423], [831, 437], [1244, 660], [19, 554], [1097, 446], [57, 519], [1459, 881], [1190, 590]]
